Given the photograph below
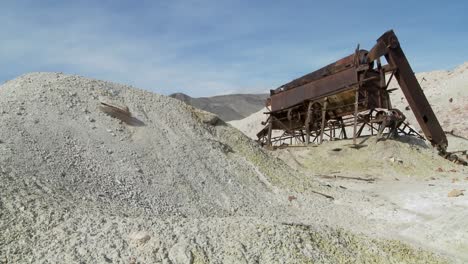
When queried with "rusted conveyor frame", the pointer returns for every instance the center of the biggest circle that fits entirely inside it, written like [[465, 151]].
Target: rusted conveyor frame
[[387, 46], [365, 119]]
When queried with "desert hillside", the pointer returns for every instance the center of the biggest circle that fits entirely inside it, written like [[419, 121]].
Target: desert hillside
[[227, 107], [93, 171], [447, 92]]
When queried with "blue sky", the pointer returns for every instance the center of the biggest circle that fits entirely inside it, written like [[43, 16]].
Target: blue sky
[[210, 47]]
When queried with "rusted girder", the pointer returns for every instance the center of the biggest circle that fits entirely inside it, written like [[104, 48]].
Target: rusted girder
[[418, 103]]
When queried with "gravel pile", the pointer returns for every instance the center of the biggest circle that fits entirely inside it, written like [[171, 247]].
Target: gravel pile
[[169, 162], [159, 181]]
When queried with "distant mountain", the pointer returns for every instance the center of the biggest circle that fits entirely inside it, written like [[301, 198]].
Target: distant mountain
[[227, 107]]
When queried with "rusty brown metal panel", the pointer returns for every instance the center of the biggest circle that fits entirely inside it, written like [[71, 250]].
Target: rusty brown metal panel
[[333, 68], [328, 85], [412, 90]]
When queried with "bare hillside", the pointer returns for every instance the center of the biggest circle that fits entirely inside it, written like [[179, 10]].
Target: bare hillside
[[447, 92], [97, 172], [227, 107]]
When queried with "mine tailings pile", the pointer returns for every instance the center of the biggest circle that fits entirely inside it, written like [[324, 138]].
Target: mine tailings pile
[[93, 171]]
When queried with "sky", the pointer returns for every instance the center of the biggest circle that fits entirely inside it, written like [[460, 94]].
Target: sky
[[213, 47]]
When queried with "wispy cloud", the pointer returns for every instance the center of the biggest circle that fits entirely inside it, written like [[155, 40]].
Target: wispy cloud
[[198, 47]]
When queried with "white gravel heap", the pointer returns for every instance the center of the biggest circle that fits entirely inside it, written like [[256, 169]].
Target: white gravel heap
[[55, 135], [172, 185]]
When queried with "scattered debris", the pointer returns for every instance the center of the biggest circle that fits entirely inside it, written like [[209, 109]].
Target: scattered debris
[[119, 111], [396, 160], [346, 178], [455, 193], [325, 195]]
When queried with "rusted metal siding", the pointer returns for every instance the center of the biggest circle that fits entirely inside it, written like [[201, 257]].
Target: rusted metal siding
[[333, 68], [328, 85]]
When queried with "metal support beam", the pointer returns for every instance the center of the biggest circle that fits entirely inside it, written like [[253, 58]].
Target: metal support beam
[[307, 122], [324, 111], [412, 90], [356, 101]]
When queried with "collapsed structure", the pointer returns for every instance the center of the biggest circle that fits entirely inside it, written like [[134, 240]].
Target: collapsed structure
[[352, 92]]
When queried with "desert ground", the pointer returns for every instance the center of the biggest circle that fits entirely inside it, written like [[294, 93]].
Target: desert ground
[[159, 181]]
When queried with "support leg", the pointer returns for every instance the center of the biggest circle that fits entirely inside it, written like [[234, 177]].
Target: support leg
[[322, 127], [355, 115], [307, 123], [360, 130], [343, 129]]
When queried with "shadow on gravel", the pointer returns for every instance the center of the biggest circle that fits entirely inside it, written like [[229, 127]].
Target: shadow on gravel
[[133, 121]]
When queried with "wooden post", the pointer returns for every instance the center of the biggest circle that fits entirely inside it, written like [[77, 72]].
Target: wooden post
[[343, 128], [332, 132], [307, 122], [355, 115], [324, 111]]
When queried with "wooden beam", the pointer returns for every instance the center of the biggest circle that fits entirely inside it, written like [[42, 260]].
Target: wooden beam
[[324, 111]]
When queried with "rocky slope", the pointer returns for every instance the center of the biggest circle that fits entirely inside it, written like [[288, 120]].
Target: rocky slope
[[166, 183], [447, 92]]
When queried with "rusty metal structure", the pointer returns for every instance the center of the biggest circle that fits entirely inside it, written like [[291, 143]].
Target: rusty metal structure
[[350, 93]]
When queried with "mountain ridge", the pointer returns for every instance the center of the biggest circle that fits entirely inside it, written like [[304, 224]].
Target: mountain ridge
[[228, 107]]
